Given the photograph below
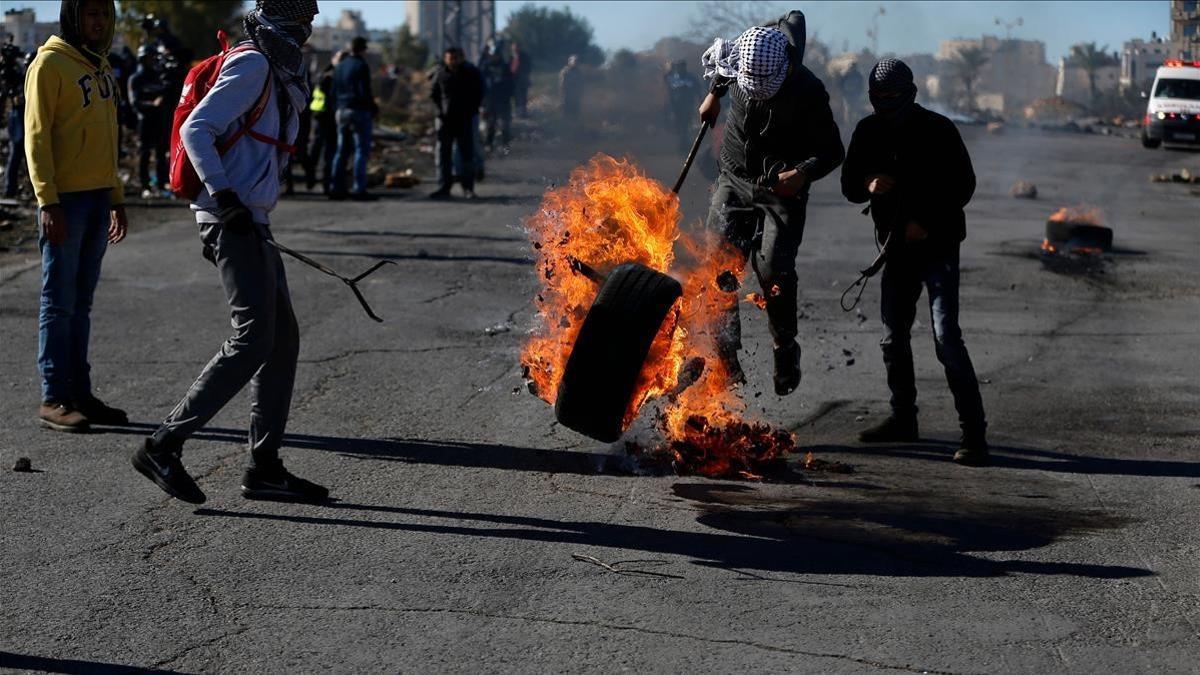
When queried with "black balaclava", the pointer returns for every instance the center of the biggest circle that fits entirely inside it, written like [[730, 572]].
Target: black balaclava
[[892, 76], [70, 21], [279, 28]]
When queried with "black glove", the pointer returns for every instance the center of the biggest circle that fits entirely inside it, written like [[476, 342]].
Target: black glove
[[234, 215]]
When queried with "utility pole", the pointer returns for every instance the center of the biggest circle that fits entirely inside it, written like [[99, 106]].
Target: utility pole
[[873, 31], [1009, 25]]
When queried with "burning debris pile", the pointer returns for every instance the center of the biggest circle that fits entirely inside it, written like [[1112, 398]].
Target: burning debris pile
[[607, 216]]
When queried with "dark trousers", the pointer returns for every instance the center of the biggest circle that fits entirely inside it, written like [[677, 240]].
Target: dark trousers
[[903, 277], [153, 139], [499, 115], [16, 151], [520, 98], [767, 229], [324, 147], [262, 350], [449, 133]]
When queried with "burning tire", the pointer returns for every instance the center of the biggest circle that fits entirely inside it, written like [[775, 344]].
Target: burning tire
[[611, 349], [1076, 234]]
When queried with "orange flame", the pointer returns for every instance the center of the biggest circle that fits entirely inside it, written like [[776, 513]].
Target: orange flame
[[1081, 213], [610, 213]]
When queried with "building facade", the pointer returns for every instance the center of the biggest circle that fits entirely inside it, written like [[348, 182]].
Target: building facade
[[1185, 28], [27, 32], [1016, 73], [337, 36], [452, 23], [1140, 60]]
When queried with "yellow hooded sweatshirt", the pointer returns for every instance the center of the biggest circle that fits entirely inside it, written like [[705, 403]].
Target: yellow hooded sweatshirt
[[70, 124]]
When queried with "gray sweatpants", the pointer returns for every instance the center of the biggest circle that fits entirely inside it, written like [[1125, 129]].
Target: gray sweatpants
[[262, 350]]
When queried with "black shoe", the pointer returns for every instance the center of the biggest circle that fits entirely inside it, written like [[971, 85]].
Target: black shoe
[[892, 430], [335, 196], [98, 413], [440, 193], [469, 194], [787, 368], [276, 484], [167, 472], [363, 197], [973, 450]]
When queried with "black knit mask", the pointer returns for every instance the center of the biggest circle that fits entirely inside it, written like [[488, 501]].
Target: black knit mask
[[891, 90], [279, 28]]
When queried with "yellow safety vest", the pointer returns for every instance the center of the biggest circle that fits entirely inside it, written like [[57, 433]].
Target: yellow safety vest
[[318, 101]]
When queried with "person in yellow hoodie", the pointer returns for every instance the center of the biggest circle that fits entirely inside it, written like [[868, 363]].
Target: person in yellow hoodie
[[71, 148]]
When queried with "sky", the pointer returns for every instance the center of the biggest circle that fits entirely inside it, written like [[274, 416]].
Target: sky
[[904, 27]]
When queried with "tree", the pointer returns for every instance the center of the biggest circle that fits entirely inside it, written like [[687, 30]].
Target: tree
[[1091, 59], [731, 19], [551, 35], [194, 22], [409, 50], [966, 67]]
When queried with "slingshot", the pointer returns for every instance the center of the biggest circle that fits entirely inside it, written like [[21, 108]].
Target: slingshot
[[352, 283]]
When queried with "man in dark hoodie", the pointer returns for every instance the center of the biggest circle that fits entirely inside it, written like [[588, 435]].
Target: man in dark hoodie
[[779, 137], [456, 94], [911, 164], [71, 149]]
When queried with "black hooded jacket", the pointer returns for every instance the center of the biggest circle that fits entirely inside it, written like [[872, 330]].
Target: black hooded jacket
[[794, 129], [926, 156], [70, 20]]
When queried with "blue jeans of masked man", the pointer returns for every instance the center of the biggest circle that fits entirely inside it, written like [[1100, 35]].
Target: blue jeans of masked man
[[934, 268]]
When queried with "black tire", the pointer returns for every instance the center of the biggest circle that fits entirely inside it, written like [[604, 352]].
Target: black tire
[[611, 350], [1150, 143], [1080, 234]]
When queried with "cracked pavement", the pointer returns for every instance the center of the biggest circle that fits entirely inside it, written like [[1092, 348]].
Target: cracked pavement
[[462, 502]]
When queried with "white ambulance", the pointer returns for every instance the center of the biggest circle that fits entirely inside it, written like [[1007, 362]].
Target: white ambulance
[[1173, 112]]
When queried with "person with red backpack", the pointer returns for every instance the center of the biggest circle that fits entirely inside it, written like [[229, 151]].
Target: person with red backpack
[[234, 139]]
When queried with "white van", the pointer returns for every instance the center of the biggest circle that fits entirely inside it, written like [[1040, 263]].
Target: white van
[[1173, 112]]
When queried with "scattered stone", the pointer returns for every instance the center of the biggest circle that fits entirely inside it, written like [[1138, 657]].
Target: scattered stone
[[401, 179], [859, 418], [497, 329], [1184, 176], [847, 352], [995, 128], [849, 362], [1023, 189], [23, 465]]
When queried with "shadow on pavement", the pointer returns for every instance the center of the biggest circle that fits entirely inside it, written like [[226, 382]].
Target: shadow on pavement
[[1012, 457], [408, 235], [421, 255], [902, 534], [47, 665], [497, 456]]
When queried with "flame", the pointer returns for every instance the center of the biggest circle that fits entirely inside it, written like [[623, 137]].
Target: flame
[[607, 214], [1082, 213]]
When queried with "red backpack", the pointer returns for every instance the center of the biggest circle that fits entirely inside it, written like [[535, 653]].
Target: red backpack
[[185, 182]]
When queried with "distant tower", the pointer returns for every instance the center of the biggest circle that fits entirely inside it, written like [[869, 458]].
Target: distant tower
[[453, 23]]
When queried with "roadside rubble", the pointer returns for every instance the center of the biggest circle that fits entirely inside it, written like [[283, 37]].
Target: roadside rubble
[[1182, 176], [1024, 190]]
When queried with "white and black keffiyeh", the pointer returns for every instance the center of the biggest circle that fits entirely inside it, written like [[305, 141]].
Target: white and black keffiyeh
[[279, 28], [758, 59]]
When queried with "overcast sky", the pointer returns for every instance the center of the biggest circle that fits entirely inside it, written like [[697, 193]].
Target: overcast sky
[[905, 27]]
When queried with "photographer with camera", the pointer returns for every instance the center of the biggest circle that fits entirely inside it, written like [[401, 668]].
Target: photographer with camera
[[147, 93], [12, 99]]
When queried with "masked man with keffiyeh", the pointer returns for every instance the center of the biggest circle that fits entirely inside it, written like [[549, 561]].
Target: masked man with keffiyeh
[[911, 164], [241, 187], [779, 137]]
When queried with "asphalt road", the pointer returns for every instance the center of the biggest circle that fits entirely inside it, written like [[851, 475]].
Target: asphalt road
[[463, 502]]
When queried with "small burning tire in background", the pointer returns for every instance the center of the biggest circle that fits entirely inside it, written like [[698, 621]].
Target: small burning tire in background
[[1064, 233], [611, 350]]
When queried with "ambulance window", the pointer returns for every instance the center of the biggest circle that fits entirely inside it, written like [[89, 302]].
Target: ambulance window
[[1172, 88]]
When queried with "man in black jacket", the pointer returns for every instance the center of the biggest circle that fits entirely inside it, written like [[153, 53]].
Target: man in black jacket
[[147, 93], [779, 137], [913, 167], [457, 93], [356, 112]]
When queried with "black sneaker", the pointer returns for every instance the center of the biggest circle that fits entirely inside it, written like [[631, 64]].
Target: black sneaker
[[440, 193], [277, 484], [973, 451], [787, 368], [363, 197], [98, 412], [892, 430], [167, 472]]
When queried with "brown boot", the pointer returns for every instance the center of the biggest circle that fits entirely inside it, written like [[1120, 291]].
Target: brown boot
[[61, 417]]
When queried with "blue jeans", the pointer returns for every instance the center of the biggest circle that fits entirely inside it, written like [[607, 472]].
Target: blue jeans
[[16, 150], [903, 278], [354, 127], [70, 272]]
